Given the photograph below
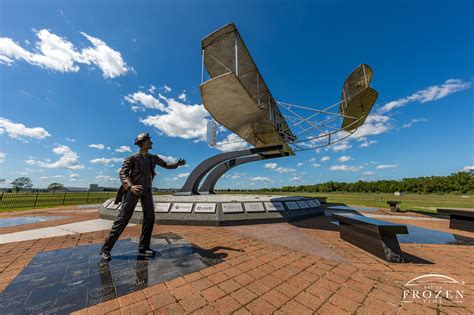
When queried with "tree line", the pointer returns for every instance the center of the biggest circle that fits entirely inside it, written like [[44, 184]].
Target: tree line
[[460, 183], [25, 183]]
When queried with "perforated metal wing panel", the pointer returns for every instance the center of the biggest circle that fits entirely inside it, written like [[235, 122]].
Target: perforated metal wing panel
[[357, 97], [236, 95]]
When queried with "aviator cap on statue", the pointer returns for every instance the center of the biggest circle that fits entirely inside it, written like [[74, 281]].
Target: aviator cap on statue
[[142, 137]]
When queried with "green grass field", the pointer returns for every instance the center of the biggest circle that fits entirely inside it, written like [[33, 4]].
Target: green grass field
[[408, 202], [23, 201]]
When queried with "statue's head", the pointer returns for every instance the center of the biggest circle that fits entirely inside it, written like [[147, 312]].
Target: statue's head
[[143, 140]]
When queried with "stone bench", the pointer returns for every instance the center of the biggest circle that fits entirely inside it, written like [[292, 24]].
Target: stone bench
[[374, 236], [394, 205], [459, 219]]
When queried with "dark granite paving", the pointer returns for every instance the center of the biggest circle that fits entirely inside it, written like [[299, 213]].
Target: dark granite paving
[[27, 220], [66, 280], [419, 235], [354, 208]]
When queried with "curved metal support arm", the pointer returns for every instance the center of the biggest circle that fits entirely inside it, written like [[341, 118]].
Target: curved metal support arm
[[207, 188], [191, 185]]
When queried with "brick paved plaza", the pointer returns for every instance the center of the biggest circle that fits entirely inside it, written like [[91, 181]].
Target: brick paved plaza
[[293, 268]]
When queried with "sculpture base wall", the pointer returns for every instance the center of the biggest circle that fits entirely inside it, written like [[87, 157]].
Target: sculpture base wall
[[222, 210]]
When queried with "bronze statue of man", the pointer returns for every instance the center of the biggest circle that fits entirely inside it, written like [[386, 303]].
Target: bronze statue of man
[[137, 175]]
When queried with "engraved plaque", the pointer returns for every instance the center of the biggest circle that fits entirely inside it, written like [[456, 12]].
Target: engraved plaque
[[114, 206], [292, 205], [303, 204], [205, 208], [232, 207], [182, 207], [313, 203], [254, 207], [106, 203], [274, 206], [162, 206]]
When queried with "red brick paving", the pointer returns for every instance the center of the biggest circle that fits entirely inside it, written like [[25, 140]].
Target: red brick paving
[[257, 277]]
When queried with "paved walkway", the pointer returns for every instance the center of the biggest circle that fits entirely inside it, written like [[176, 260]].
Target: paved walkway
[[298, 268], [59, 230]]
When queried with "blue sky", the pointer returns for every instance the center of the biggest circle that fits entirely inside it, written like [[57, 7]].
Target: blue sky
[[79, 79]]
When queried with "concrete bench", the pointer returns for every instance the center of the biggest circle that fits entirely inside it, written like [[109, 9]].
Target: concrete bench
[[459, 219], [394, 205], [374, 236]]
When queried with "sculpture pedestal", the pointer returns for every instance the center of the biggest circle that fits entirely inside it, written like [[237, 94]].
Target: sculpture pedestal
[[221, 210]]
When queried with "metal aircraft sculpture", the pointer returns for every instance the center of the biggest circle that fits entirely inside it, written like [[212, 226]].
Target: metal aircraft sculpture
[[238, 98]]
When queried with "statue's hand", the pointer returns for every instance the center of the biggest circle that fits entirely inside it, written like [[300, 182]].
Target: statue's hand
[[136, 189], [181, 162]]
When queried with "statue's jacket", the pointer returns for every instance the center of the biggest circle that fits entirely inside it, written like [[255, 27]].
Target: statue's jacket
[[132, 171]]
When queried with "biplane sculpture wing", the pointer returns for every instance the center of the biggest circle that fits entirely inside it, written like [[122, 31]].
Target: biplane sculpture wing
[[357, 97], [236, 95]]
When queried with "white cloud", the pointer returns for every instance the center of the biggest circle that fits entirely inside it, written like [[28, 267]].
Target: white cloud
[[34, 170], [279, 169], [344, 158], [152, 89], [107, 161], [300, 164], [106, 178], [271, 165], [367, 143], [295, 179], [68, 160], [285, 170], [181, 175], [468, 168], [315, 165], [70, 139], [73, 175], [368, 173], [414, 121], [341, 146], [231, 143], [123, 148], [2, 157], [56, 53], [168, 158], [18, 131], [182, 96], [431, 93], [236, 175], [385, 166], [165, 88], [99, 146], [180, 120], [325, 158], [260, 179], [373, 125], [107, 59], [5, 60], [146, 100], [345, 168]]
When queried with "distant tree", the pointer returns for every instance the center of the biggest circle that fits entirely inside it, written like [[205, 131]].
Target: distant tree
[[55, 186], [22, 183]]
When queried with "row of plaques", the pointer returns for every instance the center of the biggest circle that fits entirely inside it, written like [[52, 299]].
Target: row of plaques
[[227, 207]]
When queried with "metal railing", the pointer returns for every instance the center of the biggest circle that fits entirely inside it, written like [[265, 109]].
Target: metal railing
[[10, 200]]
